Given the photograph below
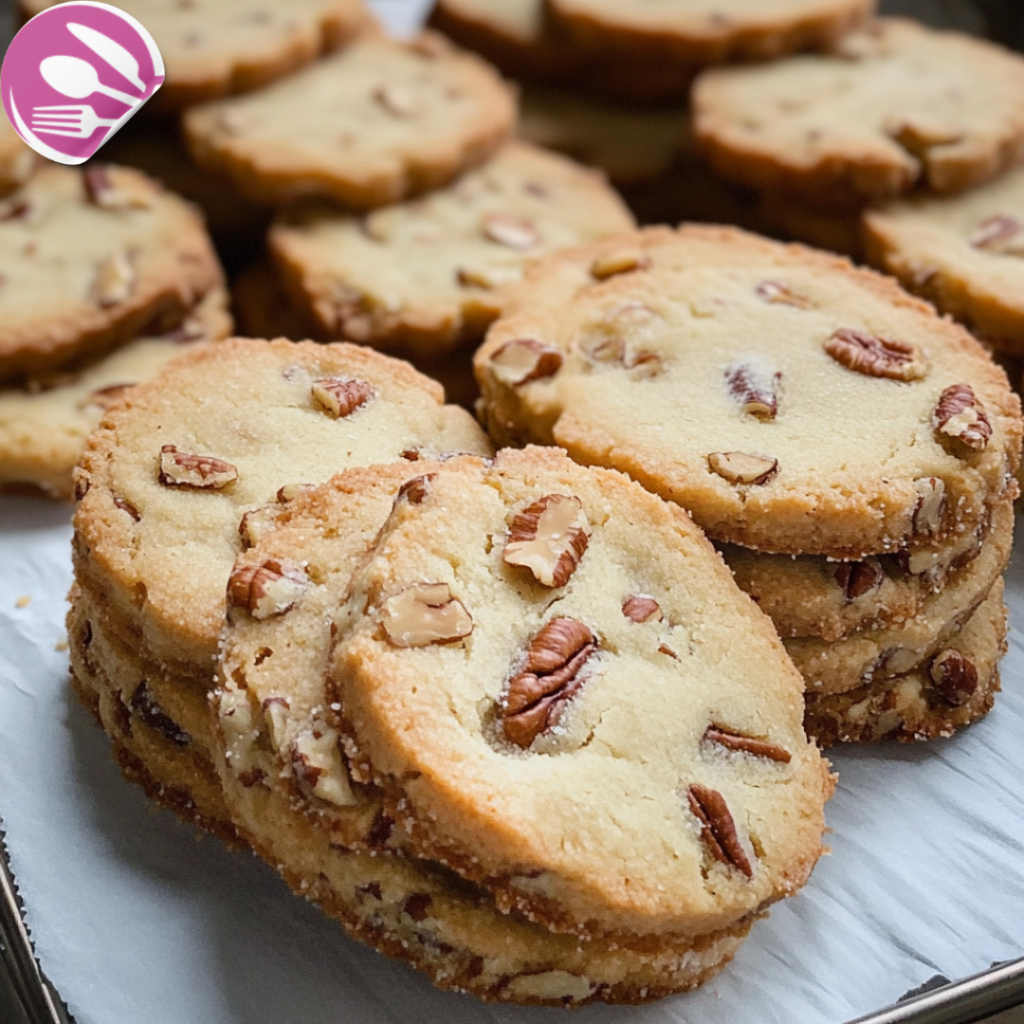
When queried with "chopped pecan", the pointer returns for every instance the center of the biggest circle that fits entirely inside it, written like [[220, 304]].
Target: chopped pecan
[[396, 99], [931, 504], [781, 294], [875, 357], [955, 678], [270, 588], [425, 613], [145, 706], [639, 608], [319, 767], [416, 905], [1001, 234], [255, 523], [341, 396], [549, 537], [512, 232], [415, 490], [717, 829], [742, 468], [104, 398], [856, 579], [547, 680], [746, 744], [127, 506], [754, 389], [959, 415], [114, 281], [618, 261], [114, 188], [185, 469], [522, 361]]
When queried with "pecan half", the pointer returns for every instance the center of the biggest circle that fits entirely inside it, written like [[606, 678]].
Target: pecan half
[[547, 680], [639, 608], [1000, 234], [745, 744], [511, 232], [856, 579], [525, 360], [549, 538], [875, 357], [741, 468], [145, 706], [618, 261], [754, 389], [341, 396], [114, 281], [955, 678], [931, 504], [186, 469], [425, 613], [717, 829], [268, 589], [778, 293], [959, 415]]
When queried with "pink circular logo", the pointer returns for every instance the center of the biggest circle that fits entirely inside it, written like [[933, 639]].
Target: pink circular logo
[[74, 75]]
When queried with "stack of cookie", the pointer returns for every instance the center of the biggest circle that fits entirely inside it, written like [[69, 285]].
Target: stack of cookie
[[852, 451]]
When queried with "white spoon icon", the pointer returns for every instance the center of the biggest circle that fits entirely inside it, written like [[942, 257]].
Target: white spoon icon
[[77, 78]]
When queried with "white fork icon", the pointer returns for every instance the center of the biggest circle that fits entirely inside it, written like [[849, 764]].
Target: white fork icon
[[76, 121]]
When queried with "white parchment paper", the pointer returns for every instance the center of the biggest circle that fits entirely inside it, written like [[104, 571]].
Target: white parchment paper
[[139, 920]]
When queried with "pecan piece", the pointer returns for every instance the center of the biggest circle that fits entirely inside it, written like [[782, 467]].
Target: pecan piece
[[520, 362], [185, 469], [114, 281], [104, 398], [319, 767], [856, 579], [618, 261], [1001, 234], [425, 613], [268, 589], [931, 504], [639, 608], [341, 396], [959, 415], [745, 744], [717, 829], [114, 189], [396, 99], [875, 357], [511, 232], [549, 538], [741, 468], [547, 680], [415, 489], [754, 389], [127, 506], [955, 678], [780, 294], [145, 706], [919, 134]]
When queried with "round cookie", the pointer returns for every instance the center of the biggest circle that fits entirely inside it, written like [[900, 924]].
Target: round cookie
[[788, 401], [897, 106], [215, 47], [368, 126], [43, 427], [17, 161], [876, 654], [548, 688], [700, 32], [169, 473], [91, 259], [963, 253], [954, 688], [427, 275]]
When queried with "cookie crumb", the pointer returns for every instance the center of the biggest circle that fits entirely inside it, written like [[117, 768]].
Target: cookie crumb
[[60, 645], [24, 601]]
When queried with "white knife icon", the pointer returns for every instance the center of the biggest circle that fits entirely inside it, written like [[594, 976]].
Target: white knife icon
[[110, 51]]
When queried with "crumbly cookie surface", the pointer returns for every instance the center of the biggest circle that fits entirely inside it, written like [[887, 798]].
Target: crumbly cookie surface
[[368, 126], [429, 274], [214, 47], [547, 687], [89, 260], [44, 426], [963, 253], [897, 106], [790, 402], [172, 470]]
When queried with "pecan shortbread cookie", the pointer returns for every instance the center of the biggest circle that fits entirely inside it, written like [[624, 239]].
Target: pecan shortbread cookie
[[700, 32], [897, 106], [44, 425], [883, 652], [286, 781], [429, 274], [789, 401], [953, 688], [91, 259], [538, 665], [214, 47], [370, 125], [963, 253]]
